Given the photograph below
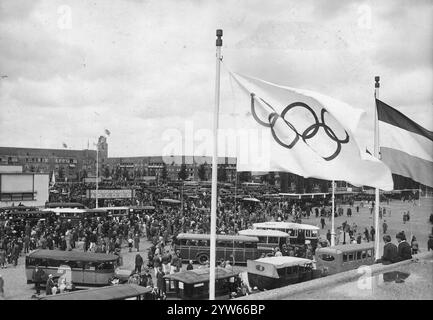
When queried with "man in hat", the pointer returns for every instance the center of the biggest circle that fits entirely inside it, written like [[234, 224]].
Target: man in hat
[[37, 277], [404, 249], [138, 262], [50, 284], [390, 252], [430, 242]]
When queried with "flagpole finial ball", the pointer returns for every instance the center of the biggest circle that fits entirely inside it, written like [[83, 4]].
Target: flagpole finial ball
[[377, 79], [219, 41]]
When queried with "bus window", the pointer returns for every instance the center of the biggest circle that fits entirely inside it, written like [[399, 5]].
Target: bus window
[[105, 266], [358, 255], [344, 257], [250, 245], [307, 234], [281, 272], [351, 256], [221, 244], [89, 266], [43, 263], [327, 257], [261, 240], [292, 232], [32, 261], [204, 243], [273, 240], [364, 254], [369, 253], [54, 263], [239, 244]]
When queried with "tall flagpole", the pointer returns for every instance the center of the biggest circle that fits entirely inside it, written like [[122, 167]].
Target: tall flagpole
[[97, 174], [376, 154], [333, 215], [219, 43]]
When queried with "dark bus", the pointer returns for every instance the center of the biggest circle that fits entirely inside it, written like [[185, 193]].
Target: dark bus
[[236, 249]]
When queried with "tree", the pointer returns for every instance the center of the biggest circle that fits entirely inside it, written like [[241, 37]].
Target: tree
[[222, 174], [202, 172], [164, 173], [182, 173]]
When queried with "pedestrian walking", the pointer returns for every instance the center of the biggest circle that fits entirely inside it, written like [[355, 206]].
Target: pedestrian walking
[[137, 242], [384, 227], [138, 263]]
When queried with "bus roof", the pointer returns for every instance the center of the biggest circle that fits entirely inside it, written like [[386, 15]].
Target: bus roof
[[72, 255], [263, 233], [65, 205], [18, 208], [205, 236], [283, 261], [284, 225], [65, 210], [117, 292], [200, 275], [346, 248], [113, 208]]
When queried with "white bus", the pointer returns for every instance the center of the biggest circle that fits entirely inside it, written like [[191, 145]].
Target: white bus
[[310, 232]]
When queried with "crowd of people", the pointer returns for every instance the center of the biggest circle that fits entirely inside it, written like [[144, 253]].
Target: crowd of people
[[103, 234]]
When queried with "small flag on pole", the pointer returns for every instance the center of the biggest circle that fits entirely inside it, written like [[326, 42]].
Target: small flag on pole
[[65, 145], [107, 132], [306, 133], [405, 146]]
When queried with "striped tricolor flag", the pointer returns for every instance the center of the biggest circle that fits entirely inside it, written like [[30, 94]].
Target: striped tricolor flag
[[405, 146]]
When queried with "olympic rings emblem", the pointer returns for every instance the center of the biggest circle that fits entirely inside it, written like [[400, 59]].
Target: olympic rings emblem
[[308, 133]]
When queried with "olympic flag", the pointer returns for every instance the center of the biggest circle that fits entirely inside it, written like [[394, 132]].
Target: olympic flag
[[304, 132], [405, 146]]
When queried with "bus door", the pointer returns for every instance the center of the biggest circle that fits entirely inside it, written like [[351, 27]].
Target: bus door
[[223, 249], [239, 251], [89, 273], [77, 271], [251, 252], [104, 271]]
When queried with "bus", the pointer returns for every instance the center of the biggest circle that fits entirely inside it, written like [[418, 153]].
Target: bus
[[82, 268], [345, 257], [194, 284], [268, 239], [65, 205], [75, 214], [116, 211], [117, 292], [275, 272], [236, 249], [294, 230]]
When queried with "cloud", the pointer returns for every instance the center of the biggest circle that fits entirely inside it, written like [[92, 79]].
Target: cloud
[[141, 68]]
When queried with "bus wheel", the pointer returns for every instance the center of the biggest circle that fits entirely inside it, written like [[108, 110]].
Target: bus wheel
[[203, 258]]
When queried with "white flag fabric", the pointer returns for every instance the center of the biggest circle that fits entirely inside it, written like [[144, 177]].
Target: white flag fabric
[[303, 132]]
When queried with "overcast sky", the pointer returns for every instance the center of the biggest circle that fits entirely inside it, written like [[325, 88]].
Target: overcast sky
[[70, 69]]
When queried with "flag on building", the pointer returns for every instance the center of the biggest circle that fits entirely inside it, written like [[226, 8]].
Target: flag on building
[[405, 146], [107, 132], [65, 145], [303, 132]]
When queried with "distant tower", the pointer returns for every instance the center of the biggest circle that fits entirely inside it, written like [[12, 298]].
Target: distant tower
[[103, 148]]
